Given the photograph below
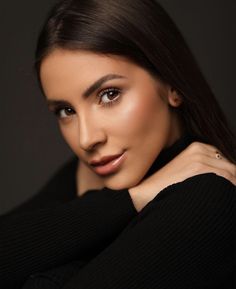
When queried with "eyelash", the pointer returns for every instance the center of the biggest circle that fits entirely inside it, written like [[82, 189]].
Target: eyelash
[[107, 90], [59, 108]]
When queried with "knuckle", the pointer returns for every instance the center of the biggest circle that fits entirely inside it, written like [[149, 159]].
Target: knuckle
[[193, 146], [196, 147]]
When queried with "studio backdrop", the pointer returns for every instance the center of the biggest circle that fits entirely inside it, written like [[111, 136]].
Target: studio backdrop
[[31, 145]]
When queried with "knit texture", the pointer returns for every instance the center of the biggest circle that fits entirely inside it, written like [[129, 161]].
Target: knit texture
[[183, 238]]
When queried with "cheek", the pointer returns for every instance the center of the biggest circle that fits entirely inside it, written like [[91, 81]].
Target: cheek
[[137, 116]]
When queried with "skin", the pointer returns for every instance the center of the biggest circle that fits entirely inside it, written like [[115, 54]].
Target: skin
[[141, 121]]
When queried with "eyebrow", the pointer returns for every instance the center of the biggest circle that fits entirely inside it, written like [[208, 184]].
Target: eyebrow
[[89, 91]]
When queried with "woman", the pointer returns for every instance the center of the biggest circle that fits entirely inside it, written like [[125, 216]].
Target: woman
[[159, 214]]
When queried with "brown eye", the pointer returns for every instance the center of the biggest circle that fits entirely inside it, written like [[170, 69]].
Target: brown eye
[[109, 96], [63, 112]]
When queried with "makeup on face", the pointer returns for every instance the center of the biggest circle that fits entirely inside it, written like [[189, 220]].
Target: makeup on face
[[108, 106]]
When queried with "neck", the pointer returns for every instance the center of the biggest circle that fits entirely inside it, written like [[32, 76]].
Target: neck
[[167, 154]]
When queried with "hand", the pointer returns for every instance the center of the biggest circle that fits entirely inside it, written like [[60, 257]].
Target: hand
[[86, 179], [197, 158]]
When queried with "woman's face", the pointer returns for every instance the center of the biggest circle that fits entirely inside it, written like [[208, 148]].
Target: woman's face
[[107, 105]]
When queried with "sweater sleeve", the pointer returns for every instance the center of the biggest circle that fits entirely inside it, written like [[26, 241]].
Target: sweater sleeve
[[59, 188], [36, 240], [183, 239]]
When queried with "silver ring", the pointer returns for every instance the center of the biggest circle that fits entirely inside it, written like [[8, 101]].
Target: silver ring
[[218, 155]]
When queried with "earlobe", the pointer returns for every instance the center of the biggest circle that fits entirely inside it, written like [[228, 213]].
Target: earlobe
[[174, 98]]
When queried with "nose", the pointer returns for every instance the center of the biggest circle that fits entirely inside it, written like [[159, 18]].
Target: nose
[[91, 133]]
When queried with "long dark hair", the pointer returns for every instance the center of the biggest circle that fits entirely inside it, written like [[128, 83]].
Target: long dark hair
[[143, 32]]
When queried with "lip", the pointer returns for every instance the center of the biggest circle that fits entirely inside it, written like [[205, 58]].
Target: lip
[[104, 160], [111, 166]]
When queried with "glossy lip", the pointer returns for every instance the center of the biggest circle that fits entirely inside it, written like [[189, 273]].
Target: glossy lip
[[104, 160], [111, 166]]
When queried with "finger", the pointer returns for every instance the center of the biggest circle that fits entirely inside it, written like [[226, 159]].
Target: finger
[[205, 148], [223, 164], [221, 167], [219, 172], [201, 149], [225, 174]]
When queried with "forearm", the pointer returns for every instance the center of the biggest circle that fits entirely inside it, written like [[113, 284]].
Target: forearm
[[181, 240], [143, 193], [48, 237]]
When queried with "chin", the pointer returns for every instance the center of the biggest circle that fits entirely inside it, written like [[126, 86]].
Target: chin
[[122, 182]]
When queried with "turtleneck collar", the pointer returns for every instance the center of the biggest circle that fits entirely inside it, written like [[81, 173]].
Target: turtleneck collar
[[167, 154]]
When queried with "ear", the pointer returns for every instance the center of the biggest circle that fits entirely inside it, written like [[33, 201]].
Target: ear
[[174, 99]]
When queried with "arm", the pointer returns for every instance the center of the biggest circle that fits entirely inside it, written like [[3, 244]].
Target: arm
[[182, 239], [197, 158], [60, 188], [42, 234]]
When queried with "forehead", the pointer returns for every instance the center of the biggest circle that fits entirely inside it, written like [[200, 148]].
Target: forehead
[[65, 68], [67, 73], [84, 61]]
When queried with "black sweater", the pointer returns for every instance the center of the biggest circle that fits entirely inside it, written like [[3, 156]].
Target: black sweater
[[183, 238]]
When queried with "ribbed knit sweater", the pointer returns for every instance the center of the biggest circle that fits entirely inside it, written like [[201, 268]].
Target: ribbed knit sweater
[[182, 239]]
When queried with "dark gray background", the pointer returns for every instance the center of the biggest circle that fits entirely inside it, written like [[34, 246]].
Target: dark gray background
[[31, 145]]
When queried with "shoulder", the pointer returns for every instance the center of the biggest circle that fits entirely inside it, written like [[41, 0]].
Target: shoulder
[[60, 187], [62, 177], [202, 185], [61, 184], [202, 196], [212, 180], [192, 221], [200, 208]]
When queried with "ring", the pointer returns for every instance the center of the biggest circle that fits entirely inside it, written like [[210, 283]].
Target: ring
[[218, 155]]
